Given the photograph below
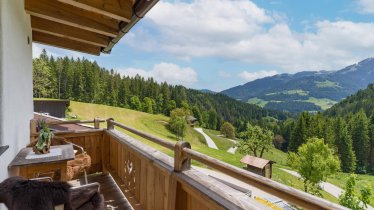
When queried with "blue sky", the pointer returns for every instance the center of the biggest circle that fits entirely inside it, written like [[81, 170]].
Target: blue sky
[[218, 44]]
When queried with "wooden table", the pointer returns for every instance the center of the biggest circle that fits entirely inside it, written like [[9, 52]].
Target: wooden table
[[30, 165]]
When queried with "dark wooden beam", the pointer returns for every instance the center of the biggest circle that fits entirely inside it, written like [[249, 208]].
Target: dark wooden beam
[[69, 15], [69, 32], [116, 9], [60, 42]]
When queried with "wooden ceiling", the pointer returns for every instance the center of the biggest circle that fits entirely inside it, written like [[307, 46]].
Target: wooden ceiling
[[81, 25]]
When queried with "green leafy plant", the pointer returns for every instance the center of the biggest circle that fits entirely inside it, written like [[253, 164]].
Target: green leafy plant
[[255, 140], [44, 139], [314, 161], [350, 198]]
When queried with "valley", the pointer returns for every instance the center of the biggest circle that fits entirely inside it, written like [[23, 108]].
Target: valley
[[157, 126], [288, 116], [305, 91]]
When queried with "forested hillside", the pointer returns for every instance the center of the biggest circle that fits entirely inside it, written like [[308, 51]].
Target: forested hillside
[[351, 136], [85, 81], [363, 99], [305, 91]]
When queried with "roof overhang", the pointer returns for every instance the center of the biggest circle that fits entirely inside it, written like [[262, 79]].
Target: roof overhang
[[88, 26]]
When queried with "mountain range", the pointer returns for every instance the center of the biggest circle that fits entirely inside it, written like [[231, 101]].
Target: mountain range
[[307, 90]]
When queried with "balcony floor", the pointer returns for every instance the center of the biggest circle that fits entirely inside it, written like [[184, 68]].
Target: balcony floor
[[114, 198]]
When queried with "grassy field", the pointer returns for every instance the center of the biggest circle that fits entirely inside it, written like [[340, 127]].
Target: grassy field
[[258, 102], [152, 124], [324, 103], [291, 92], [157, 126], [327, 84]]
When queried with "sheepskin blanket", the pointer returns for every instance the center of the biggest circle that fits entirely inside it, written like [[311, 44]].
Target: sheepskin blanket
[[18, 193]]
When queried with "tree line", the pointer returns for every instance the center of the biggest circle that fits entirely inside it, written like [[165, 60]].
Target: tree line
[[351, 137], [85, 81]]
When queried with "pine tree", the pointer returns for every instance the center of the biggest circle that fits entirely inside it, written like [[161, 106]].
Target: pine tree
[[299, 133], [343, 142], [43, 80], [197, 114], [212, 121], [371, 143], [360, 141]]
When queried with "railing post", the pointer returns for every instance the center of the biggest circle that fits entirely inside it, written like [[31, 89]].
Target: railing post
[[109, 124], [96, 123], [181, 161]]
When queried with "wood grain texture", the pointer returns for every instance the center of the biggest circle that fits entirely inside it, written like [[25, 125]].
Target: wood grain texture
[[69, 15], [92, 143], [67, 153], [116, 9], [158, 182], [69, 32], [69, 44]]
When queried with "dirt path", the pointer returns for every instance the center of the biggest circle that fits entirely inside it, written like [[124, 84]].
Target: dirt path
[[232, 149], [208, 140]]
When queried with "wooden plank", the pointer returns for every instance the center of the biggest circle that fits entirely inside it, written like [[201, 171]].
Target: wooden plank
[[137, 178], [72, 16], [64, 43], [105, 150], [116, 9], [131, 177], [160, 189], [112, 194], [181, 198], [150, 188], [121, 162], [69, 32], [143, 183], [171, 189]]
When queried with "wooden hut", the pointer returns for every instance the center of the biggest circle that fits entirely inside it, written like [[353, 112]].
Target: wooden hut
[[191, 120], [55, 108], [258, 165]]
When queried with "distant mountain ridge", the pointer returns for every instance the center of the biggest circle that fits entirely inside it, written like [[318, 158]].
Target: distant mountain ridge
[[207, 91], [307, 90]]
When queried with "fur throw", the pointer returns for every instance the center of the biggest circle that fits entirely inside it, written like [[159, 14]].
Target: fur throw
[[87, 199], [21, 194]]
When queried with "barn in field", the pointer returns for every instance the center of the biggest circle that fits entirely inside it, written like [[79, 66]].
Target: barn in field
[[258, 165]]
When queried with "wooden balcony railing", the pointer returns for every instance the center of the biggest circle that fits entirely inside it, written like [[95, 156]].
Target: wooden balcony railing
[[151, 179]]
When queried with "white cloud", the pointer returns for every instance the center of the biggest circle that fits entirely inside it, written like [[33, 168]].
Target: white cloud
[[366, 6], [240, 30], [250, 76], [169, 72]]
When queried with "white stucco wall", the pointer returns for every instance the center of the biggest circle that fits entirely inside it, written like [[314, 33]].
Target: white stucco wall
[[16, 106]]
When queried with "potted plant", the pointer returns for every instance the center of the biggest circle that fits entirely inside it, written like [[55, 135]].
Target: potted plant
[[44, 139]]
